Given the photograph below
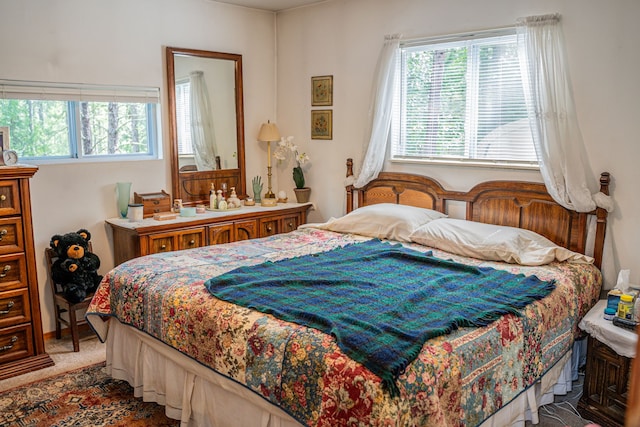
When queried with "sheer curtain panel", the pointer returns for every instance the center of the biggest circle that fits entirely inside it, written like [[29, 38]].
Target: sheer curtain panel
[[552, 113], [380, 111], [202, 133]]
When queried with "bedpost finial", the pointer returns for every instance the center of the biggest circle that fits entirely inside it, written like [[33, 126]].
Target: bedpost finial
[[605, 180], [349, 167]]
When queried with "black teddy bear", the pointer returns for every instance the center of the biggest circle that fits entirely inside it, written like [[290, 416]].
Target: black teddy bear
[[76, 269]]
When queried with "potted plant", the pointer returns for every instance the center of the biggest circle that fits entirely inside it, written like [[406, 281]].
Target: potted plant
[[287, 148]]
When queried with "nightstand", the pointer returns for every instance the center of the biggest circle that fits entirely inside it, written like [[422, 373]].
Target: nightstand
[[610, 350]]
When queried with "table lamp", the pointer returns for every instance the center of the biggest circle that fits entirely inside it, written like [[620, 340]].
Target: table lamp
[[269, 132]]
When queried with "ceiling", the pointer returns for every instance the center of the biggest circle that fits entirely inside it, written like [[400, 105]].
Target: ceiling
[[273, 5]]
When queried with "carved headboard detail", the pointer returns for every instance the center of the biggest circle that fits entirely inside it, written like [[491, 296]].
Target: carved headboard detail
[[518, 204]]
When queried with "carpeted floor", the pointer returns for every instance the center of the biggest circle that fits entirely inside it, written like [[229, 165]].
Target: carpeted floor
[[563, 412]]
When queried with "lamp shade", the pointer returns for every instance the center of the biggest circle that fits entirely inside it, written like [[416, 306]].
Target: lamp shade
[[268, 132]]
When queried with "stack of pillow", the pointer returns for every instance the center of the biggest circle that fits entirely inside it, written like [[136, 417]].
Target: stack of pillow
[[434, 229]]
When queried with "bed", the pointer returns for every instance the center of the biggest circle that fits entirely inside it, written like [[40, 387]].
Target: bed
[[212, 362]]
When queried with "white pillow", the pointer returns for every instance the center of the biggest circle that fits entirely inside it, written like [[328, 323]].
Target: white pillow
[[493, 242], [383, 220]]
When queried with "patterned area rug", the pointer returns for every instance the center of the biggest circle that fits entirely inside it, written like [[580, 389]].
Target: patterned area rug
[[84, 397]]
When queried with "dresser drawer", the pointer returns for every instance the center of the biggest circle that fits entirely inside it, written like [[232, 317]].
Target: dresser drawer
[[165, 242], [268, 227], [13, 272], [191, 239], [16, 343], [11, 239], [176, 240], [289, 223], [14, 307], [9, 198]]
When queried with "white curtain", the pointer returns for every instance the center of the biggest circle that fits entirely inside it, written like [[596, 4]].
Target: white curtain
[[203, 136], [380, 111], [554, 124], [552, 115]]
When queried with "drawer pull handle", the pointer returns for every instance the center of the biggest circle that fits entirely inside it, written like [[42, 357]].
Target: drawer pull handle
[[269, 228], [5, 270], [3, 198], [10, 305], [156, 202], [290, 225], [192, 242], [163, 247], [10, 346], [3, 233]]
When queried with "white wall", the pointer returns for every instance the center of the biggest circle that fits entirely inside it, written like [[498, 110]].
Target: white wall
[[122, 42], [343, 38]]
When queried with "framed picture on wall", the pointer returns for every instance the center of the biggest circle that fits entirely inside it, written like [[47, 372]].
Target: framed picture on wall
[[322, 91], [321, 124]]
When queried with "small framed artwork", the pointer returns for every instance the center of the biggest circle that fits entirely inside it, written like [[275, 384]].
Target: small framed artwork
[[321, 124], [321, 91], [4, 138]]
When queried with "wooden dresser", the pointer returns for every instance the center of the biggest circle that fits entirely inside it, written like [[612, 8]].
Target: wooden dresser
[[21, 338], [149, 236]]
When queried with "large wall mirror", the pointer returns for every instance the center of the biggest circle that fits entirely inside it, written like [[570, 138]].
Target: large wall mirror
[[206, 123]]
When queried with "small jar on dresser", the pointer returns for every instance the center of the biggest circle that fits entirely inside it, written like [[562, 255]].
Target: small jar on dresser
[[21, 338]]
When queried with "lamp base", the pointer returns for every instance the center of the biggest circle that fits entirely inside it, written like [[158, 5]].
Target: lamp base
[[268, 202], [269, 194]]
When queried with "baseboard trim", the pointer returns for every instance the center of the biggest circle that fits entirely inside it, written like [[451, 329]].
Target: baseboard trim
[[66, 332]]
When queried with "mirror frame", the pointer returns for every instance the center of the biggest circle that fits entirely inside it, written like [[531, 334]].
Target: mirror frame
[[193, 187]]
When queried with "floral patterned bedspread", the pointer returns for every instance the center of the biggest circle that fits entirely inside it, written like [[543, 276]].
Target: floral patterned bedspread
[[458, 379]]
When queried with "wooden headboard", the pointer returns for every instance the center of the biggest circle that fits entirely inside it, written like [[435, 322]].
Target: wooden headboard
[[514, 203]]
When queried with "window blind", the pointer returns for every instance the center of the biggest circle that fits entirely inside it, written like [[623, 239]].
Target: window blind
[[183, 116], [462, 99], [14, 89]]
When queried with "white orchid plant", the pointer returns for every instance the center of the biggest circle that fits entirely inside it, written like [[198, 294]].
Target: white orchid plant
[[285, 148]]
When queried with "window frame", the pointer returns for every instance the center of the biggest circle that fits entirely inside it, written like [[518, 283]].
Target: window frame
[[72, 95], [398, 108]]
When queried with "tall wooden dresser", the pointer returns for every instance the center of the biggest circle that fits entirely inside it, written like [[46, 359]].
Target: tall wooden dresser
[[21, 339]]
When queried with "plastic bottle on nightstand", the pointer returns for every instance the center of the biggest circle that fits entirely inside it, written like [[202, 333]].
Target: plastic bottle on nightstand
[[625, 307]]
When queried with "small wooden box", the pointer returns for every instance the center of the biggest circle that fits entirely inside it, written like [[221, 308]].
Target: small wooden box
[[153, 203]]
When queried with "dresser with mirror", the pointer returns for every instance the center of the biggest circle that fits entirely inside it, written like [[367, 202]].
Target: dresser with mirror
[[206, 88]]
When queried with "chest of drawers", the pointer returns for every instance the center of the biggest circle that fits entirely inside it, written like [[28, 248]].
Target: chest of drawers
[[135, 239], [21, 339]]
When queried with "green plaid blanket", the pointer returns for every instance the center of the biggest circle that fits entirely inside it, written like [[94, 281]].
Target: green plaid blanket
[[380, 301]]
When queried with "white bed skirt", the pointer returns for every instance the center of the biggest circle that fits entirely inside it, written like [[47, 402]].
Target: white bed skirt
[[198, 396]]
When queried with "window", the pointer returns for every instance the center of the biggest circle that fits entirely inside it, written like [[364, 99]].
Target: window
[[183, 117], [57, 121], [461, 99]]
